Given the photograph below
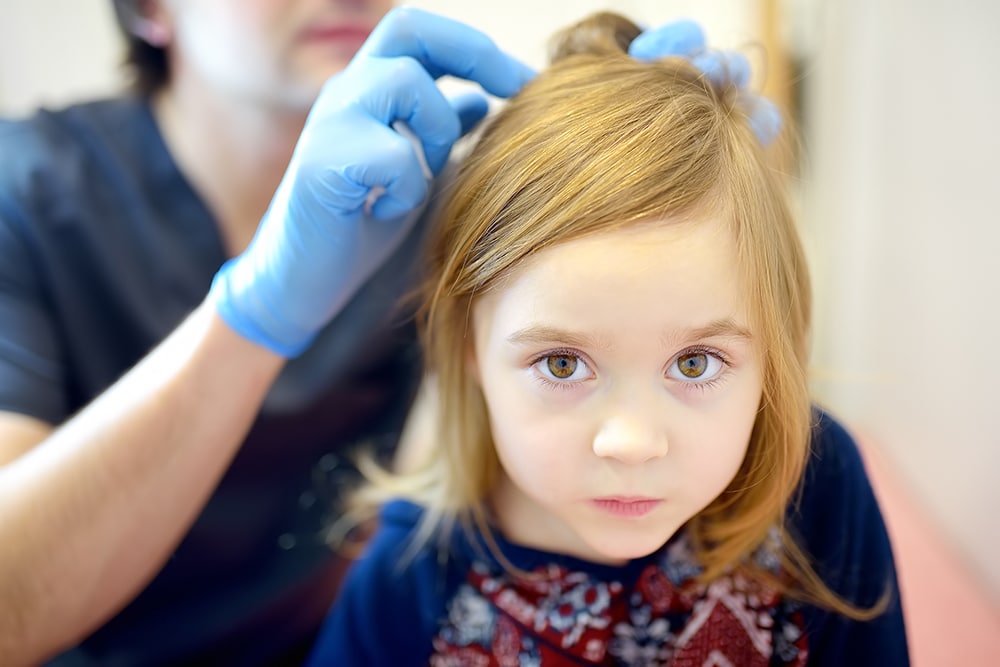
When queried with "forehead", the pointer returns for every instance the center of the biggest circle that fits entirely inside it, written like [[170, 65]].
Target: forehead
[[660, 273]]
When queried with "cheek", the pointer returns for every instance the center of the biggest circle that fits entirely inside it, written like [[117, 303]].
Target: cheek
[[223, 46], [715, 445], [704, 464], [532, 440]]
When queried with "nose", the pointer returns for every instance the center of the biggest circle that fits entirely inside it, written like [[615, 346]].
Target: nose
[[630, 439]]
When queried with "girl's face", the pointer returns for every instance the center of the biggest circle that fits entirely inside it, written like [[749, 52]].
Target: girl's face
[[271, 51], [622, 385]]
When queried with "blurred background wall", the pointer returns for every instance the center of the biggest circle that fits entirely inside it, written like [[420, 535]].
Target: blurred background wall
[[902, 109], [898, 105], [53, 51]]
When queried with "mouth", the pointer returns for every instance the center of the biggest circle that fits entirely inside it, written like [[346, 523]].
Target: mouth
[[345, 33], [629, 507]]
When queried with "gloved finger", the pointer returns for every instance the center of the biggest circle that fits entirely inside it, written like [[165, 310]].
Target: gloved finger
[[723, 67], [387, 90], [444, 46], [765, 119], [679, 38], [384, 175], [404, 194], [400, 89], [387, 207], [470, 107]]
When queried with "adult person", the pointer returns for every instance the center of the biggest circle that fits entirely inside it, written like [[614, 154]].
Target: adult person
[[165, 466]]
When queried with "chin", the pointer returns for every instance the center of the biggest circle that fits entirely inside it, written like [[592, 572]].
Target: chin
[[298, 98], [619, 549], [321, 66]]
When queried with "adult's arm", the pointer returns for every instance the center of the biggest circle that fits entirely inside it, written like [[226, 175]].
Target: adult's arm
[[94, 509]]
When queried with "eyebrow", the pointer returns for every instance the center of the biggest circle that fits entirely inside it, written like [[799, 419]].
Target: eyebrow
[[540, 334], [724, 328]]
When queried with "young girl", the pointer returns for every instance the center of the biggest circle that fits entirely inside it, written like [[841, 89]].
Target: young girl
[[629, 471]]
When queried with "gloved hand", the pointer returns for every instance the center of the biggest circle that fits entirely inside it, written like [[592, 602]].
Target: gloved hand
[[355, 185], [687, 39]]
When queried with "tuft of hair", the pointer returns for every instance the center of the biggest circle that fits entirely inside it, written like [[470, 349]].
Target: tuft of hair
[[600, 33]]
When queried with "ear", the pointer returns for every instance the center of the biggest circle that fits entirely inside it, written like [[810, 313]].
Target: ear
[[148, 20]]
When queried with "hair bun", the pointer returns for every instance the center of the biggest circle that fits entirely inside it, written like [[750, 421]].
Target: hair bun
[[603, 33]]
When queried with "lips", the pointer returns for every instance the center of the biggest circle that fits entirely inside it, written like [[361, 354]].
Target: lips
[[629, 507], [346, 33]]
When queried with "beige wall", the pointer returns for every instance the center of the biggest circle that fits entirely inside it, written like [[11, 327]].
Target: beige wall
[[899, 213], [905, 233], [52, 51]]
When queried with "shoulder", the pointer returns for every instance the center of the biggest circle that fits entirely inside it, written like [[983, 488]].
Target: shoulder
[[837, 521], [834, 461], [390, 602], [836, 511], [68, 125], [56, 153], [835, 492], [44, 136]]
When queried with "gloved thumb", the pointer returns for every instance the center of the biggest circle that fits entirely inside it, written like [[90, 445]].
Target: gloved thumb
[[679, 38], [471, 107]]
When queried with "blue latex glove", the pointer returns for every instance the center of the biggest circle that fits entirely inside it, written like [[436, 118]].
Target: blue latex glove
[[687, 39], [355, 185]]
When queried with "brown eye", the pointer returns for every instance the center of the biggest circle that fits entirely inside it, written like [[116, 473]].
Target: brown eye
[[693, 365], [561, 366]]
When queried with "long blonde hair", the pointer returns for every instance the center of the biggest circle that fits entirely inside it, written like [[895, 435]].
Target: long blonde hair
[[596, 142]]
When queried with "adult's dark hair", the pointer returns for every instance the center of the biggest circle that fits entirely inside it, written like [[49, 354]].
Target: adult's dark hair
[[146, 63]]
